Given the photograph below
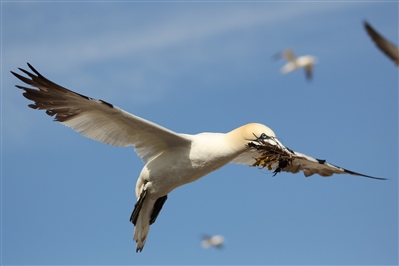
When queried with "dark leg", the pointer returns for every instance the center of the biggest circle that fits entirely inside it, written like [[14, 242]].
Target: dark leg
[[157, 208]]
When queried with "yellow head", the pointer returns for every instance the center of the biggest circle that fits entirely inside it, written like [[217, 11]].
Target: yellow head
[[250, 132]]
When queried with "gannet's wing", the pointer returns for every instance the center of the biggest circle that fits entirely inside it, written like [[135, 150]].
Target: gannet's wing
[[309, 71], [289, 55], [98, 119], [391, 50], [274, 156], [309, 166]]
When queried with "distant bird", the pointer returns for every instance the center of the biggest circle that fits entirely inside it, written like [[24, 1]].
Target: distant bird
[[171, 159], [216, 241], [388, 48], [307, 62]]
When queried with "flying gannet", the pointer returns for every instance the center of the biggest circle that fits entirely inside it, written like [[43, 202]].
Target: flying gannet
[[171, 159], [216, 241], [388, 48], [293, 63]]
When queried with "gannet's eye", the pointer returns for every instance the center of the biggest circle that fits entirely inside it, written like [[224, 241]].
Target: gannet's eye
[[262, 137]]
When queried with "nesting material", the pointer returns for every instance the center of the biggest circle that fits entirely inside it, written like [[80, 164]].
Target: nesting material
[[273, 156]]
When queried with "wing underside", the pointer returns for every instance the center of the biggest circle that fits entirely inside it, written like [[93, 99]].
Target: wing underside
[[97, 119], [271, 154]]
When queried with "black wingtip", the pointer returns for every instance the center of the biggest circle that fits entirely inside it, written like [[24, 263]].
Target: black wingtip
[[15, 74], [26, 72], [377, 178], [368, 27], [33, 69], [368, 176]]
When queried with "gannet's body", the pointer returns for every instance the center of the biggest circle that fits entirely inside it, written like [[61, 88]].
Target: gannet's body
[[307, 62], [388, 48], [216, 241], [187, 160], [171, 159]]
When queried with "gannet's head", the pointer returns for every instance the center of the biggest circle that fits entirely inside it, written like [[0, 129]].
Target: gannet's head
[[250, 132]]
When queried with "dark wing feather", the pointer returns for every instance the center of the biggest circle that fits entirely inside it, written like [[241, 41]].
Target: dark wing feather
[[391, 50], [309, 71], [309, 166], [97, 119], [271, 153]]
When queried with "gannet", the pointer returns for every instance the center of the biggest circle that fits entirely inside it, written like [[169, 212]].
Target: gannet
[[216, 241], [171, 159], [307, 62], [388, 48]]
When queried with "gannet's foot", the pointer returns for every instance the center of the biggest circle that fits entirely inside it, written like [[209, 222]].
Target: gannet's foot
[[157, 208], [137, 207]]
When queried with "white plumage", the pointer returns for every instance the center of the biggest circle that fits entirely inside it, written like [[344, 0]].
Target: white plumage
[[216, 241], [171, 159], [306, 62]]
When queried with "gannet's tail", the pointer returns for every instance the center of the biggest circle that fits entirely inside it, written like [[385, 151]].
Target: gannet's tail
[[142, 223], [144, 214]]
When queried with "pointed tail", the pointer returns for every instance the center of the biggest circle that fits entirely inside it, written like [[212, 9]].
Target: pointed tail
[[144, 214]]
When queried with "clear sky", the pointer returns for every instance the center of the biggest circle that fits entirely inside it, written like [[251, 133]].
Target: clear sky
[[194, 67]]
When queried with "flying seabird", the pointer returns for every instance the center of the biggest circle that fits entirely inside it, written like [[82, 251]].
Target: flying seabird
[[216, 241], [171, 159], [293, 63], [388, 48]]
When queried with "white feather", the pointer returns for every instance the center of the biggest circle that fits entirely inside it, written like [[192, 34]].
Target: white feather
[[171, 159]]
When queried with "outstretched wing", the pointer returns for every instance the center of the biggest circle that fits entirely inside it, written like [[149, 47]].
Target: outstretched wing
[[97, 119], [310, 166], [270, 153], [289, 55], [309, 71], [391, 50]]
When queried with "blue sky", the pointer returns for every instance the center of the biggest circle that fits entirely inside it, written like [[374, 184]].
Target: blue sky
[[195, 67]]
